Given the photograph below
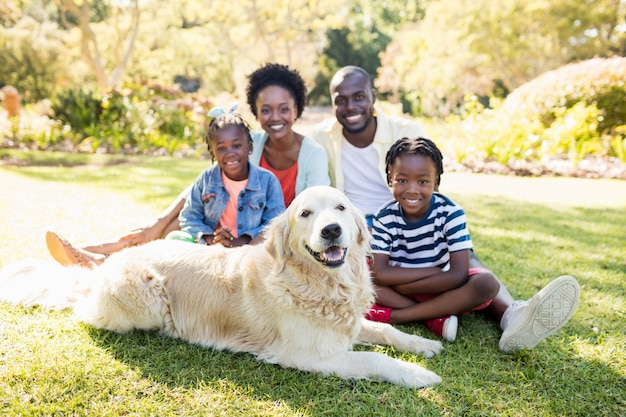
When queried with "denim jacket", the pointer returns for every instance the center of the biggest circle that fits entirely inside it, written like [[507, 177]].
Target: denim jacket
[[260, 202]]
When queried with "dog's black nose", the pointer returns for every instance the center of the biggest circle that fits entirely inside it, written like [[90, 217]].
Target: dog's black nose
[[332, 231]]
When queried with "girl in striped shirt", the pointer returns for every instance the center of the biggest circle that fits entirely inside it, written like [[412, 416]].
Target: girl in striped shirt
[[421, 247]]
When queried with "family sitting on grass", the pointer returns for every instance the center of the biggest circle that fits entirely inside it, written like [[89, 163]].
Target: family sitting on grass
[[424, 267]]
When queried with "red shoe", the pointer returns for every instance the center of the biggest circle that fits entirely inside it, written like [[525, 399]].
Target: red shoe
[[379, 313], [444, 327]]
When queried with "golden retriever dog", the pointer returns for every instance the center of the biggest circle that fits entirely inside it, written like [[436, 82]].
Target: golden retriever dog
[[296, 300]]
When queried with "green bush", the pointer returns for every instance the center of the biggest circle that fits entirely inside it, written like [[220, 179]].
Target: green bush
[[78, 108], [575, 111], [33, 58], [136, 119], [599, 82]]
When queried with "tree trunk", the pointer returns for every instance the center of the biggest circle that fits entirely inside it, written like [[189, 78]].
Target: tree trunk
[[89, 42]]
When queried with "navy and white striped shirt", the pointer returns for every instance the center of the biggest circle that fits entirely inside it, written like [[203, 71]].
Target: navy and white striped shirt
[[425, 243]]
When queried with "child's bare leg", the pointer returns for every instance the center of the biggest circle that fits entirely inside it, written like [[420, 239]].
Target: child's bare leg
[[386, 296], [500, 303], [173, 225], [479, 289], [158, 230], [167, 222], [103, 249], [502, 300]]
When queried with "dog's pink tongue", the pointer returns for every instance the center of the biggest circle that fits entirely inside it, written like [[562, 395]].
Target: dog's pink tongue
[[334, 253]]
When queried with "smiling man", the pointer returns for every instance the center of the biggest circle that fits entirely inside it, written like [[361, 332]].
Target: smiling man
[[357, 139]]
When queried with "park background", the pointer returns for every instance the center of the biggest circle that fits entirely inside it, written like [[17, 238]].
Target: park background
[[107, 129], [525, 87]]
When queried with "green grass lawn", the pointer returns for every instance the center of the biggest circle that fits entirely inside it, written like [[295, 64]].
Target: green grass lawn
[[528, 230]]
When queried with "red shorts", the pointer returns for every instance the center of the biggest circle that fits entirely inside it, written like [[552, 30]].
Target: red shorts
[[472, 271]]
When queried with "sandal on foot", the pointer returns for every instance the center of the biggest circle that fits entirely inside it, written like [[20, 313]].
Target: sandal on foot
[[64, 253]]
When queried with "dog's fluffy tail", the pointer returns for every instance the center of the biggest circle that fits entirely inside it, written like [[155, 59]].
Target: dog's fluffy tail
[[40, 283]]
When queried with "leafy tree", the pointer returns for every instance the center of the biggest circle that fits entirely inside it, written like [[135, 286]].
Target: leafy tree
[[33, 58], [368, 28], [344, 49], [10, 13], [223, 46], [180, 42], [124, 20], [467, 48], [219, 42]]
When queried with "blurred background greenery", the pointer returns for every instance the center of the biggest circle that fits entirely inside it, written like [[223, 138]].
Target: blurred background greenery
[[503, 81]]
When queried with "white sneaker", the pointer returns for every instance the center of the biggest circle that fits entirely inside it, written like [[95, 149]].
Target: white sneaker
[[449, 328], [526, 323]]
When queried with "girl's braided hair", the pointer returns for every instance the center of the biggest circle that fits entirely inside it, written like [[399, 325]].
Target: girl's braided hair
[[416, 146], [279, 75], [222, 121]]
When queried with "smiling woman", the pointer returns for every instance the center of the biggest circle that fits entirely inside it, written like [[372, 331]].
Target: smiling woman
[[276, 95]]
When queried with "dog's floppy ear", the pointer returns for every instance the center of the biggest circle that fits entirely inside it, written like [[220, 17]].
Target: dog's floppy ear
[[277, 238]]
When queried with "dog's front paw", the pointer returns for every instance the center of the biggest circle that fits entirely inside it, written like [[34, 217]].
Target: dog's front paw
[[426, 379], [414, 376], [429, 348]]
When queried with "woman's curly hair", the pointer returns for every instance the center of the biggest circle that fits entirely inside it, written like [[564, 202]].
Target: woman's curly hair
[[279, 75]]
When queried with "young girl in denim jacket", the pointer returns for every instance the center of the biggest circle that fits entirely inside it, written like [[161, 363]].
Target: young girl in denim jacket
[[231, 202]]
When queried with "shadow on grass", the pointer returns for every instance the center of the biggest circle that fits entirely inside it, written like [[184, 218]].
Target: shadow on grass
[[476, 378], [178, 364], [552, 379]]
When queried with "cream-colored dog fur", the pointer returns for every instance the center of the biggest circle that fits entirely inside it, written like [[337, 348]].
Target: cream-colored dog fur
[[296, 300]]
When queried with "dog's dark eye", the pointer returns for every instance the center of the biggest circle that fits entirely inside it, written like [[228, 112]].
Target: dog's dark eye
[[341, 207], [305, 213]]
